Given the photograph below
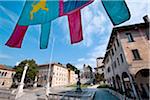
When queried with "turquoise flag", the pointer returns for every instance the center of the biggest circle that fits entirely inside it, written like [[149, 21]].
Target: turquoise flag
[[43, 12], [39, 12], [117, 11]]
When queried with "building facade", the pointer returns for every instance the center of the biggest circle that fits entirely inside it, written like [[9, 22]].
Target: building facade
[[87, 75], [100, 66], [6, 76], [59, 75], [127, 60]]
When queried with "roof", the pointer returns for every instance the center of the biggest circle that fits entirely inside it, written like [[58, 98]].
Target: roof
[[100, 58], [3, 67], [47, 65], [121, 29], [99, 67]]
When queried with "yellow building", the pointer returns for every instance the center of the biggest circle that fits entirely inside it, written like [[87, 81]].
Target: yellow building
[[59, 75], [127, 60], [6, 76]]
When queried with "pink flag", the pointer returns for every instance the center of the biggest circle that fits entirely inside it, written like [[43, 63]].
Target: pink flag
[[75, 26], [16, 38]]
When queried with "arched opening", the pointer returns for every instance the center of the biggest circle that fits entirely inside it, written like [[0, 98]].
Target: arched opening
[[127, 85], [119, 87], [114, 84], [142, 80]]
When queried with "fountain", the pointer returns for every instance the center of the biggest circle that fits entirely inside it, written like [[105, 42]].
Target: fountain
[[77, 94]]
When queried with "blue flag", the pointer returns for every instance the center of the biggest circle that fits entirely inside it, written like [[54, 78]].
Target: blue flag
[[117, 11]]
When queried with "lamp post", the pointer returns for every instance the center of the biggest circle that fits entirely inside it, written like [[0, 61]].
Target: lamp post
[[35, 82], [49, 71], [21, 84], [78, 89]]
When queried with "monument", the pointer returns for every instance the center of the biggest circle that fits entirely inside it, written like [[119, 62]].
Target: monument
[[21, 84]]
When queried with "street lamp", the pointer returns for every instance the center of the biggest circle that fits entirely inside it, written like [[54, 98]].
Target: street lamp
[[49, 70], [78, 89]]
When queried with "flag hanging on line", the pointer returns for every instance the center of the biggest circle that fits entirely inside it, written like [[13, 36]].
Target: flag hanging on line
[[71, 8], [117, 11], [43, 12]]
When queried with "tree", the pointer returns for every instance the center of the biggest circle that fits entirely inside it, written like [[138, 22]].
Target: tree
[[99, 77], [71, 67], [31, 71], [90, 68]]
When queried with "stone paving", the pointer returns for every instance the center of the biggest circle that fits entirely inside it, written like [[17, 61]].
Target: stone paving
[[34, 94], [101, 94]]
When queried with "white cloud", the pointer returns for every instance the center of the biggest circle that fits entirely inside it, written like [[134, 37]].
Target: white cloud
[[7, 24], [17, 63], [93, 23], [89, 61], [98, 51], [4, 56], [137, 9], [81, 59]]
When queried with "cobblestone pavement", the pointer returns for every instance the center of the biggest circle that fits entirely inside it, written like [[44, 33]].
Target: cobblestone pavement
[[40, 92]]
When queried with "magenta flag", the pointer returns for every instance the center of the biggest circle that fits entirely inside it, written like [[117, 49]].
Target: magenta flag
[[75, 26], [16, 38]]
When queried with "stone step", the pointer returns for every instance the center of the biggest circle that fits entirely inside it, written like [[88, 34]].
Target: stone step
[[6, 96]]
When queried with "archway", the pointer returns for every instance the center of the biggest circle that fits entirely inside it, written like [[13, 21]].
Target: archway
[[114, 84], [119, 87], [142, 80], [127, 85]]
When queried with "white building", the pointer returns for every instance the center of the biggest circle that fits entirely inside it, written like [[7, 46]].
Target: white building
[[87, 75], [100, 66], [59, 75], [6, 76]]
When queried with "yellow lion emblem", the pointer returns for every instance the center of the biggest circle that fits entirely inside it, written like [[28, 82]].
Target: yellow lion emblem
[[36, 7]]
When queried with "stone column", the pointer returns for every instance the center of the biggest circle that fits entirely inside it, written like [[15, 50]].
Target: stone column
[[21, 84], [123, 87], [35, 82], [133, 88]]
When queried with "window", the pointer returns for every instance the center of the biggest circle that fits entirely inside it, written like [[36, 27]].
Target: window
[[108, 69], [107, 60], [121, 56], [130, 38], [136, 54], [12, 75], [112, 51], [147, 33], [117, 42], [115, 65], [5, 73], [3, 83], [45, 77], [2, 73], [118, 61], [115, 46]]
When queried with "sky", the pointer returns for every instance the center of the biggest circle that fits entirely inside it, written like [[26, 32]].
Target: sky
[[96, 27]]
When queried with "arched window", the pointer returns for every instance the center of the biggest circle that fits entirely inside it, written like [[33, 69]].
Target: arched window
[[2, 73], [5, 73], [12, 75], [3, 83]]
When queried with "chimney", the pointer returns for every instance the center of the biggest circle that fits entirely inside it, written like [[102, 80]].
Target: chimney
[[146, 19]]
